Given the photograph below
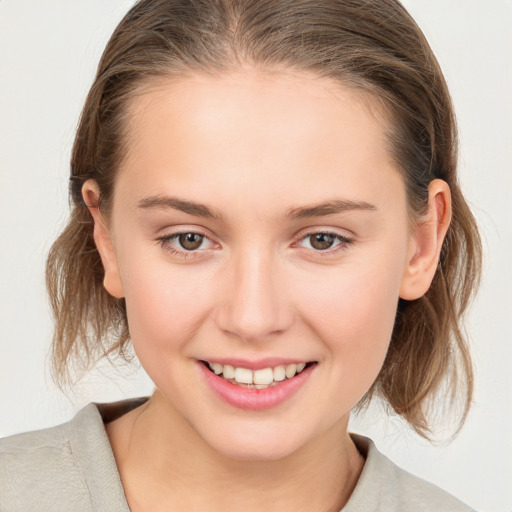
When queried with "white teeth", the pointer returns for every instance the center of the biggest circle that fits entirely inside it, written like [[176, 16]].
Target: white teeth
[[258, 379], [265, 376], [279, 373], [291, 370], [216, 367], [301, 367], [243, 376], [228, 371]]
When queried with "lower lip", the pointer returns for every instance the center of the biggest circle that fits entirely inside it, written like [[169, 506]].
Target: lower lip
[[255, 399]]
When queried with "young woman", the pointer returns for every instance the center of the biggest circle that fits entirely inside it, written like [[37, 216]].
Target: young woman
[[266, 207]]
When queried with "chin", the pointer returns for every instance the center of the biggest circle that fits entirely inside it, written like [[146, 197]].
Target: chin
[[253, 444]]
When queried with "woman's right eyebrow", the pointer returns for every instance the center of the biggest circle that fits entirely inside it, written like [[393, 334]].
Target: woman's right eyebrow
[[190, 207], [322, 209]]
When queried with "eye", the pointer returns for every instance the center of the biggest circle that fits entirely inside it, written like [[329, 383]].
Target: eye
[[323, 241], [190, 241], [185, 243]]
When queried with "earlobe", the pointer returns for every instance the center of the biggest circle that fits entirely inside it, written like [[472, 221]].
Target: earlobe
[[426, 242], [102, 238]]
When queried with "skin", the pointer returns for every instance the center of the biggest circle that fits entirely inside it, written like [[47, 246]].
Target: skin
[[253, 146]]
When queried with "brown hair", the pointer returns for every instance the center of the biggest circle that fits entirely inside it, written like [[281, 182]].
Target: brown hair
[[373, 46]]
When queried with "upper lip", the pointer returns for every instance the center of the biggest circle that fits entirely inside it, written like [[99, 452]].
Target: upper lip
[[259, 364]]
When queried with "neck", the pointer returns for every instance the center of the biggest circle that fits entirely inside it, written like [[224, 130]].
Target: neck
[[165, 465]]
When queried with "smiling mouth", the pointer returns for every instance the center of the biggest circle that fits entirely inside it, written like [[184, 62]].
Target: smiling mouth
[[257, 379]]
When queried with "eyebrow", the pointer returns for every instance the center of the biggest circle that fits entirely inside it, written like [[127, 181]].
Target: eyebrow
[[329, 208], [201, 210], [190, 207]]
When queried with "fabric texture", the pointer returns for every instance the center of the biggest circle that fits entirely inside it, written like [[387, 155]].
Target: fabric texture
[[72, 467]]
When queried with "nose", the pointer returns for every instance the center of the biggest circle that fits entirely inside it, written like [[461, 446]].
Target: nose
[[254, 303]]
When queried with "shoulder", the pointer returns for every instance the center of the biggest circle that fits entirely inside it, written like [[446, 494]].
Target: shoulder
[[67, 467], [35, 467], [385, 487]]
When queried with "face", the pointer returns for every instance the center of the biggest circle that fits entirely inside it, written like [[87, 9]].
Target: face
[[258, 223]]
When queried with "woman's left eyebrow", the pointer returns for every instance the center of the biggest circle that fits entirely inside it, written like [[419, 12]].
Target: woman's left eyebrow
[[328, 208]]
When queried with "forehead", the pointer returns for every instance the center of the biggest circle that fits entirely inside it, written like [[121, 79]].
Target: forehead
[[277, 135], [261, 99]]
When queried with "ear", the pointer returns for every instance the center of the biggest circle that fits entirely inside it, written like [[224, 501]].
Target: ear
[[426, 242], [102, 238]]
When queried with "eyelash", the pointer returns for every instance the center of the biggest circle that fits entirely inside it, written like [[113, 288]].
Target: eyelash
[[166, 243], [343, 244]]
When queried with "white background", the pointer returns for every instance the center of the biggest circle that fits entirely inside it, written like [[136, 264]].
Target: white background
[[48, 52]]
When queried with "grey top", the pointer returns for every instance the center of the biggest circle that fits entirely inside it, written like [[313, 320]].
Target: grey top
[[72, 467]]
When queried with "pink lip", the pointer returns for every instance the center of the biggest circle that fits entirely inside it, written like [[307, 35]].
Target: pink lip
[[255, 399], [269, 362]]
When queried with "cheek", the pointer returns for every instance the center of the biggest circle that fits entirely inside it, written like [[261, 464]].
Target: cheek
[[355, 297], [353, 313], [164, 308]]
